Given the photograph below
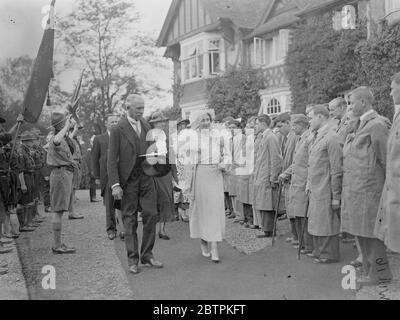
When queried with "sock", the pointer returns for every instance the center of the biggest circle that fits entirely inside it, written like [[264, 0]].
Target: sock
[[21, 217], [57, 234]]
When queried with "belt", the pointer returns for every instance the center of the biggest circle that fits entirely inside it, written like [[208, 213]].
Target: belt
[[71, 169]]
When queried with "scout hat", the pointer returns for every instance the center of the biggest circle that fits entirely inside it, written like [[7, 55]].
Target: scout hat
[[300, 119], [157, 117], [183, 121], [57, 118]]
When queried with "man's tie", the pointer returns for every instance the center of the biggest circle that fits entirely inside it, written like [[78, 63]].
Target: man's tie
[[135, 126]]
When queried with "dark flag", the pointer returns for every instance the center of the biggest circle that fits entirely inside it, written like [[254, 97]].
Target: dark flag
[[41, 74]]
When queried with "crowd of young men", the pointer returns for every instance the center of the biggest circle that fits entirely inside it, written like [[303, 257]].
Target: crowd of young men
[[338, 170]]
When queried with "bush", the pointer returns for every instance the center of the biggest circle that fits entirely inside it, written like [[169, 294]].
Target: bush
[[236, 93]]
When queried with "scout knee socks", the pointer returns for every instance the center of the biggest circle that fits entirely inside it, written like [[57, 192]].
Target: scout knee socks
[[57, 234], [21, 217]]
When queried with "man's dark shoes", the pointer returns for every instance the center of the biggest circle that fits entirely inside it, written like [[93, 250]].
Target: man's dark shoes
[[47, 209], [265, 235], [26, 229], [163, 236], [112, 235], [75, 217], [152, 263], [63, 249], [134, 269], [122, 236]]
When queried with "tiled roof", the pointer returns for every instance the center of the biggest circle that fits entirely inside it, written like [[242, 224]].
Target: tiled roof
[[315, 5], [276, 23], [243, 13]]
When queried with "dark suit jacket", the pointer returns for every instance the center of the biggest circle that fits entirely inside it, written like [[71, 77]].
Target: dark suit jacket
[[99, 155], [123, 151]]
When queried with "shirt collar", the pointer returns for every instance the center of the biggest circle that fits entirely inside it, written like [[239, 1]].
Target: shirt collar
[[396, 110], [322, 128], [366, 114]]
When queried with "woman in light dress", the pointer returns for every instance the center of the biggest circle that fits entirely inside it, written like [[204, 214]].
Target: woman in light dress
[[207, 208]]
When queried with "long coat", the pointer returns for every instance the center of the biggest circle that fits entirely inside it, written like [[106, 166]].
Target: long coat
[[387, 226], [299, 171], [288, 153], [364, 175], [324, 182], [245, 192], [268, 166]]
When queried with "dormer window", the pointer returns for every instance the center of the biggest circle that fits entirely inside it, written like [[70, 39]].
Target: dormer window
[[202, 57]]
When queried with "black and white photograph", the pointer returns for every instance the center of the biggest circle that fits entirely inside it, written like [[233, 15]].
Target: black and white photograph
[[199, 155]]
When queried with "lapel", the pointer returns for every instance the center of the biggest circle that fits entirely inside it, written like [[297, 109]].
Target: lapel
[[367, 119], [129, 133], [321, 135]]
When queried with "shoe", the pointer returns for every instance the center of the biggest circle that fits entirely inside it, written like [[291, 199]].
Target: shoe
[[47, 209], [241, 223], [356, 264], [75, 217], [303, 251], [11, 236], [214, 252], [134, 269], [282, 216], [265, 235], [111, 235], [3, 271], [311, 255], [237, 221], [324, 261], [247, 226], [4, 249], [63, 249], [163, 236], [253, 227], [231, 216], [152, 263], [122, 236], [290, 239], [6, 241], [26, 229], [33, 225], [295, 243], [205, 249], [296, 246], [95, 200]]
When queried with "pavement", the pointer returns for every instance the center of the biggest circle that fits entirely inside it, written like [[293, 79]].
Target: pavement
[[250, 268]]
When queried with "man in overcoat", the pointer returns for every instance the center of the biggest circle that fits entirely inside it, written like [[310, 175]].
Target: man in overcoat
[[324, 185], [130, 184], [298, 172], [267, 169], [99, 158], [363, 180], [388, 221], [283, 124]]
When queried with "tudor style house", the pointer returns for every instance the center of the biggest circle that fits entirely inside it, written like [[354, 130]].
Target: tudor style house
[[204, 37]]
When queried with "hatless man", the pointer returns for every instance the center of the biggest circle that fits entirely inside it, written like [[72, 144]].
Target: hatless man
[[289, 144], [268, 166], [99, 164], [324, 185], [337, 111], [388, 220], [364, 177], [130, 184]]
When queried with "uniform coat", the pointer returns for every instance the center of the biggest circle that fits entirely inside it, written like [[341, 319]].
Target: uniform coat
[[388, 221], [325, 171], [299, 172], [288, 153], [364, 175], [268, 166]]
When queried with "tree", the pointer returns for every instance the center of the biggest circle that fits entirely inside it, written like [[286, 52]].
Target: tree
[[102, 37], [236, 93]]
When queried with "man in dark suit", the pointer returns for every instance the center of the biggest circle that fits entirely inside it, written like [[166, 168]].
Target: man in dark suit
[[92, 178], [99, 160], [130, 185]]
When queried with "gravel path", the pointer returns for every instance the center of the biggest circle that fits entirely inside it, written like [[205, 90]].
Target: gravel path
[[94, 272]]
